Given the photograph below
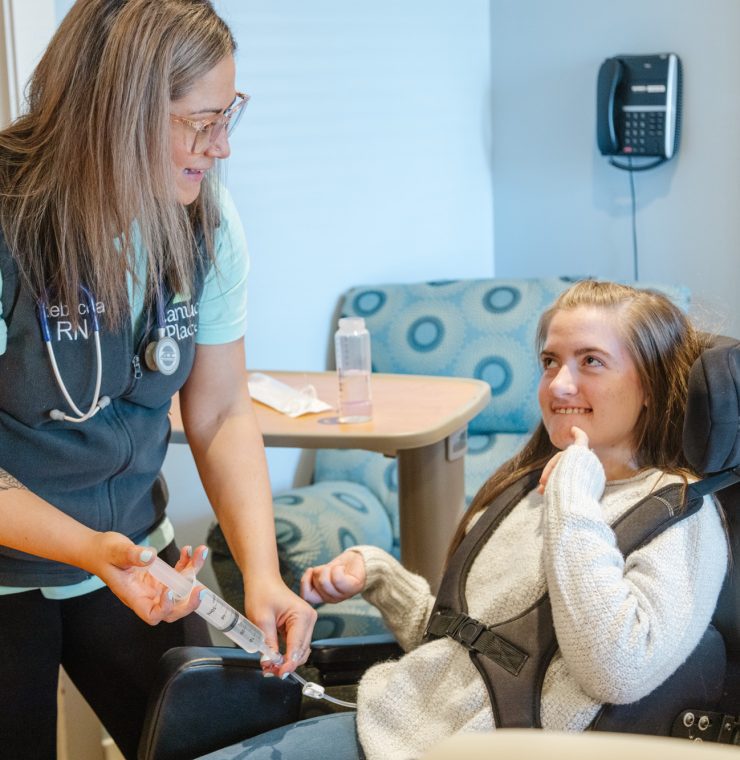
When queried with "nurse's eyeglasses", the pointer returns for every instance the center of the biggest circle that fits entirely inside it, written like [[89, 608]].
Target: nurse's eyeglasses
[[207, 131]]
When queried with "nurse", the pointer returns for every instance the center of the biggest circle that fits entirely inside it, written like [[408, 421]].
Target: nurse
[[123, 267]]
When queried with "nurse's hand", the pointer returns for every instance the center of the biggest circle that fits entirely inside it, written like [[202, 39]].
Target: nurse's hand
[[121, 565], [579, 439], [275, 609]]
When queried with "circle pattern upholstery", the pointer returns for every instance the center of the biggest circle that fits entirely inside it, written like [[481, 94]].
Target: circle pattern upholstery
[[426, 333], [501, 299], [369, 302]]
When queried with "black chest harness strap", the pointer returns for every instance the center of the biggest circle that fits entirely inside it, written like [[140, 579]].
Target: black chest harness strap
[[477, 638], [512, 657]]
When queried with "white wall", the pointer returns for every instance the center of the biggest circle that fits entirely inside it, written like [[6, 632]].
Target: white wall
[[26, 29], [560, 208], [363, 156]]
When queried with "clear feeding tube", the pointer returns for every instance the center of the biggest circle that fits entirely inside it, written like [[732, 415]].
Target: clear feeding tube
[[232, 624]]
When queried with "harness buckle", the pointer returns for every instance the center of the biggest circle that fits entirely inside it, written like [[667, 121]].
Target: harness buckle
[[454, 624], [465, 630], [477, 637], [469, 632]]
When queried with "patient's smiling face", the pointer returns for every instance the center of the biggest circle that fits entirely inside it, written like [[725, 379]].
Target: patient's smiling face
[[590, 380]]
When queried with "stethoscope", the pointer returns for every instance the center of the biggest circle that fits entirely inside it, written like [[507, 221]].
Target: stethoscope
[[161, 355]]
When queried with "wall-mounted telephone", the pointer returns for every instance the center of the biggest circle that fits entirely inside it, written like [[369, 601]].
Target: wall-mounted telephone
[[639, 106]]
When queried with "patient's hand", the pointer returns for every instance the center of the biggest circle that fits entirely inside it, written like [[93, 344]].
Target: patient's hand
[[335, 581], [579, 439]]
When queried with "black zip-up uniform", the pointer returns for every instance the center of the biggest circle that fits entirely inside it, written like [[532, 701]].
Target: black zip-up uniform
[[105, 473]]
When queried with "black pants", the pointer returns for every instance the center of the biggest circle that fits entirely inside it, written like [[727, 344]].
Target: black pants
[[109, 653]]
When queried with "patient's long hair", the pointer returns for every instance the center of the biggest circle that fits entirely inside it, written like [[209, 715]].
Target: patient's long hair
[[662, 343], [92, 154]]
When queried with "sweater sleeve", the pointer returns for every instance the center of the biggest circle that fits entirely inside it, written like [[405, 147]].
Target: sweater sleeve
[[625, 625], [403, 598]]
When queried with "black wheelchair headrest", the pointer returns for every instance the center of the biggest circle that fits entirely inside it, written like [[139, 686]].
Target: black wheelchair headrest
[[710, 432]]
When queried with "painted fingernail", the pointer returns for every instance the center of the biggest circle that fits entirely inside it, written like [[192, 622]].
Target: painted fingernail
[[296, 655], [146, 555], [189, 550], [267, 674], [284, 676], [205, 553], [170, 596], [202, 594]]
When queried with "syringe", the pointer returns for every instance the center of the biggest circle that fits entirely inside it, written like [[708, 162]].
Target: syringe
[[216, 611], [232, 624]]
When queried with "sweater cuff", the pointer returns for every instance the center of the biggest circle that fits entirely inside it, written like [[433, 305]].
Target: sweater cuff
[[378, 564], [578, 471], [390, 587]]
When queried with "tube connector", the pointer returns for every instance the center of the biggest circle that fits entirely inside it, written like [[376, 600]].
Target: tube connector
[[313, 690]]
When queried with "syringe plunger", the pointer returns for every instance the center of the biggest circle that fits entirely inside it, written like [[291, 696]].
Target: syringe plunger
[[215, 610]]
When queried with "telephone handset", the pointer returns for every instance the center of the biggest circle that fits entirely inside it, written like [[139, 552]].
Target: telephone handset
[[639, 107]]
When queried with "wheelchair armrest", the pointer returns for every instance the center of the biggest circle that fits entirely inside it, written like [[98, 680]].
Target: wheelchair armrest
[[344, 660], [205, 698]]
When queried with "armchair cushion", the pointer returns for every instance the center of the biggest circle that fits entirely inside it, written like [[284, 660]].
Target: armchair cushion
[[317, 522]]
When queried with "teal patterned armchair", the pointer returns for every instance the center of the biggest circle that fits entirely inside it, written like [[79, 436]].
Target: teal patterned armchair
[[483, 328]]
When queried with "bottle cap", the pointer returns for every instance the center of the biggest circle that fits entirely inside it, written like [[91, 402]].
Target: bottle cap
[[351, 324]]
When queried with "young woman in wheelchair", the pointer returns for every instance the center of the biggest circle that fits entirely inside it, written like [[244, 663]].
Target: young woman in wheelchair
[[613, 392]]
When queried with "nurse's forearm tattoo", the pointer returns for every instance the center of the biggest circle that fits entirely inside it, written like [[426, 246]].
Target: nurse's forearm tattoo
[[7, 481]]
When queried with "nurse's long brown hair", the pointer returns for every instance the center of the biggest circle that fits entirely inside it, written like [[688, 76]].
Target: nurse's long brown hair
[[662, 343], [92, 154]]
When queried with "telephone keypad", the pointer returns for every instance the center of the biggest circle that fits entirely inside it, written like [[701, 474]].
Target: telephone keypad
[[642, 132]]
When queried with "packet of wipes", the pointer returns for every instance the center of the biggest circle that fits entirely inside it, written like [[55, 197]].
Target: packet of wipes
[[291, 401]]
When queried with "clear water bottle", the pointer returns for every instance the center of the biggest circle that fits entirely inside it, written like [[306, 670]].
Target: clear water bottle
[[352, 346]]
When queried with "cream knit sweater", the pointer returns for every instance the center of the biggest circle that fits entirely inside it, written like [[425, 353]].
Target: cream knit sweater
[[623, 626]]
